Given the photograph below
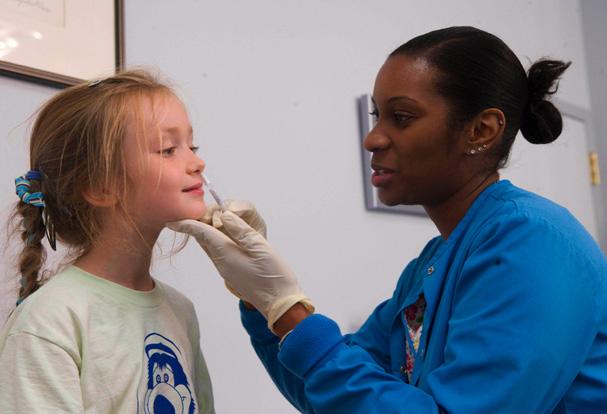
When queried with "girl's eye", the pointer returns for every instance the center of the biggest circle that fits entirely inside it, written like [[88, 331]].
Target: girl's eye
[[167, 151], [374, 114], [194, 149]]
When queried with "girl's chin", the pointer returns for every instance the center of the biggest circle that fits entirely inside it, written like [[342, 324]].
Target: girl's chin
[[195, 213], [196, 216], [192, 216]]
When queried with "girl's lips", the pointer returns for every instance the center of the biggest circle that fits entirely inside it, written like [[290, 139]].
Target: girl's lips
[[196, 191], [381, 178]]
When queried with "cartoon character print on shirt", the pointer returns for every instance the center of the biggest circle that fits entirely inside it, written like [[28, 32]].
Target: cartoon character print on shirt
[[168, 387]]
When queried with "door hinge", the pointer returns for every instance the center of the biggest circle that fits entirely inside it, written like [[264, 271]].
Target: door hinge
[[595, 171]]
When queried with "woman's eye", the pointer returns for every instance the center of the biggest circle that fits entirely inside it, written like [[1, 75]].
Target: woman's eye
[[402, 118], [374, 114], [194, 149]]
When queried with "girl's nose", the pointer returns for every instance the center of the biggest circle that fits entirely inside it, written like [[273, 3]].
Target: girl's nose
[[196, 165]]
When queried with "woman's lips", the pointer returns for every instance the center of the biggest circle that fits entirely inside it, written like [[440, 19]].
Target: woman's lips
[[381, 176]]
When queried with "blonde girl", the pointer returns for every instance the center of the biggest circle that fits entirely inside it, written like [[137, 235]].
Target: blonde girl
[[111, 162]]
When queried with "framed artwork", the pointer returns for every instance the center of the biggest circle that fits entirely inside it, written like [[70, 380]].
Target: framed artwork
[[372, 201], [61, 42]]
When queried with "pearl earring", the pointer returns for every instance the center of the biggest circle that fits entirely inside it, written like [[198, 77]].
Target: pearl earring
[[480, 148]]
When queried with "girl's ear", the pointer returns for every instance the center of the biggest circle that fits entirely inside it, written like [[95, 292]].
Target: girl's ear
[[486, 130], [100, 198]]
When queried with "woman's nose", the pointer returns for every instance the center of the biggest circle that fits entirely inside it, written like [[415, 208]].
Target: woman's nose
[[376, 141]]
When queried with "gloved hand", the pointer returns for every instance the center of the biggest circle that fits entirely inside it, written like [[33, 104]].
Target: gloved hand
[[249, 264], [242, 209]]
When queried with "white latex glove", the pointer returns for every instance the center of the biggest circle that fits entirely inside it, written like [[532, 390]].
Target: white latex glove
[[249, 264], [243, 209]]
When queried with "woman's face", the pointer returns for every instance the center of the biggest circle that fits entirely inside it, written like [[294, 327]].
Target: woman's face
[[417, 158]]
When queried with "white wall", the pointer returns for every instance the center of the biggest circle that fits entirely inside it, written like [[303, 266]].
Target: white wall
[[18, 101], [272, 87]]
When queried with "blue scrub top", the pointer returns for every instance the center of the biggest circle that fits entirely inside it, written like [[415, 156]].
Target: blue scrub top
[[516, 322]]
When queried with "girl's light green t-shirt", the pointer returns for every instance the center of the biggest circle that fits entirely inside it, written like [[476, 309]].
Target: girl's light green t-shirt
[[84, 344]]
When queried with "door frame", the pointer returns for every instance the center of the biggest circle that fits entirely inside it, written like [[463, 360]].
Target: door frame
[[599, 195]]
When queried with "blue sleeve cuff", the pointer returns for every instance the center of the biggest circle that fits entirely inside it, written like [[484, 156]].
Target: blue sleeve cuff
[[313, 340], [256, 325]]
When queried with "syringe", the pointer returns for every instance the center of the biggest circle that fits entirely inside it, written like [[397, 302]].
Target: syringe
[[218, 199]]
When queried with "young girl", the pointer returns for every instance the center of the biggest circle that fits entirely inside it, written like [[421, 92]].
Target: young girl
[[112, 162]]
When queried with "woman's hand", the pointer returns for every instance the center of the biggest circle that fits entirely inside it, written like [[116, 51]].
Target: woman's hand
[[243, 209], [246, 211], [248, 264]]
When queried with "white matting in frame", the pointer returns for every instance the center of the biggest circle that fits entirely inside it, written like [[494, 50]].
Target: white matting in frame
[[60, 42], [372, 201]]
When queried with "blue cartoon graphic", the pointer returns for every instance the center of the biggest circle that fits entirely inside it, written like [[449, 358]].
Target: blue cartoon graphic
[[168, 389]]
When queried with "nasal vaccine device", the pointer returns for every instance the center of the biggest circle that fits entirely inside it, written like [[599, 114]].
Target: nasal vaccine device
[[214, 194]]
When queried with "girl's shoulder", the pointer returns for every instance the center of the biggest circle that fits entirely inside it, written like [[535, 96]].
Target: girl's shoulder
[[50, 313], [179, 302]]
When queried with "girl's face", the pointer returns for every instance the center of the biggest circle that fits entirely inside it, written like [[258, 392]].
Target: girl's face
[[163, 169], [416, 158]]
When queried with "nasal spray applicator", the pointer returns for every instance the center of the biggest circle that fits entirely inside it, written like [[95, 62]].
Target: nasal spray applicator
[[218, 199]]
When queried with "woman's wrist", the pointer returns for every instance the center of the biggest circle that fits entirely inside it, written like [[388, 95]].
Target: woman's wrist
[[291, 318]]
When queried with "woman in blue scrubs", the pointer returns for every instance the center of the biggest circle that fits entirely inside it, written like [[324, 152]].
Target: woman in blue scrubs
[[504, 312]]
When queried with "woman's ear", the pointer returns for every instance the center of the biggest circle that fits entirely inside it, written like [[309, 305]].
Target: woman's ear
[[100, 198], [486, 130]]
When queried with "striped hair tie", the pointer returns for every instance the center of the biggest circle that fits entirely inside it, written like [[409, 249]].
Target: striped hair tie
[[23, 186]]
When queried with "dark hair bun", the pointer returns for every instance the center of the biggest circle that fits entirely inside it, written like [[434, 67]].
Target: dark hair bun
[[542, 122]]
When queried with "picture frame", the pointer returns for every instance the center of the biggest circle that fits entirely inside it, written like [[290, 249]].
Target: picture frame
[[61, 42], [372, 201]]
